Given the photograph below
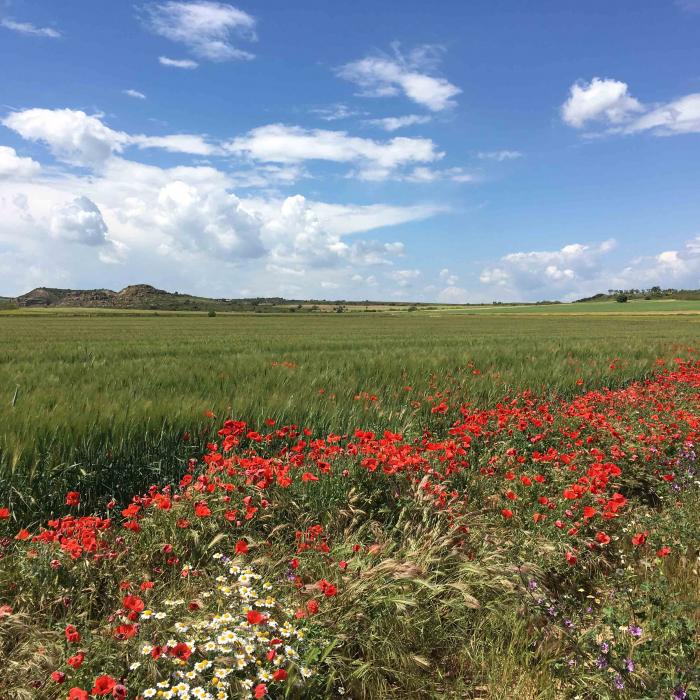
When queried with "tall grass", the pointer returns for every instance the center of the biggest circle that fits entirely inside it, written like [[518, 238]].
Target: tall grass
[[102, 403]]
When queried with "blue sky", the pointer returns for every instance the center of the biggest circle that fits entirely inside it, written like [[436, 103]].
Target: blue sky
[[463, 151]]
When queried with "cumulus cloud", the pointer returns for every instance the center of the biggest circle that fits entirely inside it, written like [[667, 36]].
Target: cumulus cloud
[[136, 94], [405, 278], [186, 63], [16, 167], [81, 139], [529, 273], [396, 123], [386, 76], [279, 143], [80, 221], [216, 222], [599, 100], [609, 102], [296, 235], [71, 135], [29, 29], [206, 28], [448, 278]]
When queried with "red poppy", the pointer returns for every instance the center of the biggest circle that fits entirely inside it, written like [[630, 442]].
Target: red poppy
[[124, 632], [260, 691], [58, 676], [72, 498], [663, 551], [241, 547], [602, 538], [180, 651], [640, 538], [279, 675], [72, 634], [4, 513], [507, 513], [133, 602], [202, 510], [255, 617], [103, 685], [76, 661], [78, 694]]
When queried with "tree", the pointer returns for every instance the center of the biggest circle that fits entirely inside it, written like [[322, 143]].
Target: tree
[[621, 298]]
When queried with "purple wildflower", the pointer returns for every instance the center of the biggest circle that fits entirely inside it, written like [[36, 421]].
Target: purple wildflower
[[635, 630]]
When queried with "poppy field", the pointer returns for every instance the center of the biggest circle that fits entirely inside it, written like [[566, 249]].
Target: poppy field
[[366, 506]]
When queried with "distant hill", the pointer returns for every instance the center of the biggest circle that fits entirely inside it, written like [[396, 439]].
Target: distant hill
[[146, 297]]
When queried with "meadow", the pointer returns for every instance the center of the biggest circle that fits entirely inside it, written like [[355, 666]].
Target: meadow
[[368, 505], [102, 402]]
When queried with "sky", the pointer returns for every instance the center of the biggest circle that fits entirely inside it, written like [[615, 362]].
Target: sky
[[443, 152]]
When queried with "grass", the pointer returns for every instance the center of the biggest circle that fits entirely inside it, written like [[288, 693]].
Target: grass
[[103, 401], [446, 584]]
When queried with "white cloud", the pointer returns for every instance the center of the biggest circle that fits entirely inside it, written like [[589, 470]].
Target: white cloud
[[449, 278], [335, 112], [535, 273], [177, 143], [452, 295], [185, 63], [206, 28], [279, 143], [82, 139], [135, 94], [385, 76], [215, 222], [16, 167], [396, 123], [423, 174], [405, 278], [600, 100], [79, 222], [609, 102], [29, 29], [681, 116], [499, 156], [71, 135]]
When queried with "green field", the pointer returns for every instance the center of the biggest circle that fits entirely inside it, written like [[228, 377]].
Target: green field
[[102, 401]]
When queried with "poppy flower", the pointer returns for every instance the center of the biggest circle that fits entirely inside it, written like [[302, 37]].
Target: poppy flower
[[4, 513], [602, 538], [241, 547], [260, 691], [255, 617], [202, 510], [180, 651], [639, 538], [663, 551], [72, 634], [279, 675], [76, 661], [124, 632], [104, 685], [58, 676], [507, 513], [72, 498], [78, 694], [133, 602]]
